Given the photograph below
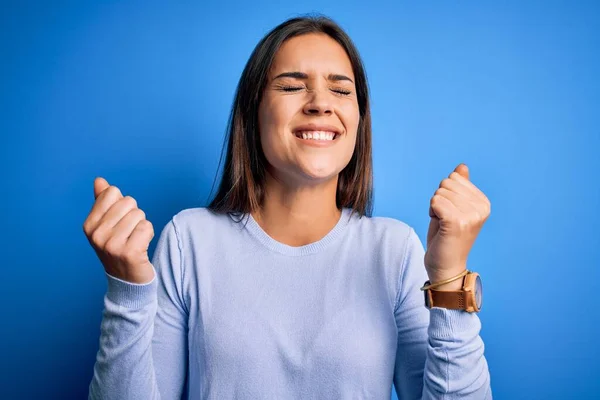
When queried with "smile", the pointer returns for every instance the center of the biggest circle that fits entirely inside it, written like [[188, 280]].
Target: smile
[[317, 135]]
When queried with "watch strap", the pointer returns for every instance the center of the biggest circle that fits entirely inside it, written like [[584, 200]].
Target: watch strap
[[447, 299]]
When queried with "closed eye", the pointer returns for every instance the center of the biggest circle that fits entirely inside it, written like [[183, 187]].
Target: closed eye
[[291, 88], [343, 92]]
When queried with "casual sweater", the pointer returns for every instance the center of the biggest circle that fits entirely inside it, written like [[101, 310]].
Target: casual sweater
[[234, 314]]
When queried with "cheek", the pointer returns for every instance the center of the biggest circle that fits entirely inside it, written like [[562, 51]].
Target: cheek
[[274, 116], [276, 113], [350, 117]]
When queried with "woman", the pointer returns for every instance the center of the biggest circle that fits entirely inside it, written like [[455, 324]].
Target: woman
[[284, 286]]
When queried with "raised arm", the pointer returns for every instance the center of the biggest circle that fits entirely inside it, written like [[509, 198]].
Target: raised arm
[[143, 335], [440, 353]]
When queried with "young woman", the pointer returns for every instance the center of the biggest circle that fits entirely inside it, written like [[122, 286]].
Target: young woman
[[285, 287]]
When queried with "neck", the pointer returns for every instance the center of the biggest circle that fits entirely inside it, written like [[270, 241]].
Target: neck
[[298, 215]]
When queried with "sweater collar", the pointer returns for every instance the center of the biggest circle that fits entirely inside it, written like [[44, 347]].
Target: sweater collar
[[258, 233]]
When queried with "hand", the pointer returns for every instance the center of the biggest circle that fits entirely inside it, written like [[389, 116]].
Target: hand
[[120, 234], [458, 210]]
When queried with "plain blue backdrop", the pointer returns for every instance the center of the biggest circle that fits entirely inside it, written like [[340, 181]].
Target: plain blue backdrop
[[140, 94]]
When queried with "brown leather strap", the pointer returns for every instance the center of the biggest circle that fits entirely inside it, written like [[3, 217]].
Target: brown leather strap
[[448, 299]]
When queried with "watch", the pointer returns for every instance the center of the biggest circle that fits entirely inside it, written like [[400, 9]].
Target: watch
[[468, 299]]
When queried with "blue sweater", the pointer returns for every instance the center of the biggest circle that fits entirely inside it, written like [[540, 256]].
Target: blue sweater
[[234, 314]]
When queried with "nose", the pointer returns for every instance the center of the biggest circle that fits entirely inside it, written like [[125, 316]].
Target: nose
[[318, 104]]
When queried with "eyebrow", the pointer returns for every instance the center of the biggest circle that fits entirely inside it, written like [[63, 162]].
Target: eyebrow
[[302, 75]]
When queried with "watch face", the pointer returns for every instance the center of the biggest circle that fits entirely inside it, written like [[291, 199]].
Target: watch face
[[478, 292]]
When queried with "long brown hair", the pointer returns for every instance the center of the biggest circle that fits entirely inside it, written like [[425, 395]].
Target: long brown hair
[[242, 187]]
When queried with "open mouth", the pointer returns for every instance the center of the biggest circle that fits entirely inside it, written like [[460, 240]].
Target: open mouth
[[322, 136]]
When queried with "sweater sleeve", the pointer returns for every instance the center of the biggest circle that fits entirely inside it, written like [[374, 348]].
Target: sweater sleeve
[[143, 333], [439, 353]]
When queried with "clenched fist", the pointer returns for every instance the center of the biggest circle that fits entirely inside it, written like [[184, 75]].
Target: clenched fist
[[120, 234], [458, 211]]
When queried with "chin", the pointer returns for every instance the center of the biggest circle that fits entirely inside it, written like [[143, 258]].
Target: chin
[[320, 174]]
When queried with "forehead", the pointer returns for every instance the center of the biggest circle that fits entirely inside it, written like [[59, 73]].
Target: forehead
[[313, 52]]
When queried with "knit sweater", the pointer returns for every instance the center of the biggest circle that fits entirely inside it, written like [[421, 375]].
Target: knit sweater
[[234, 314]]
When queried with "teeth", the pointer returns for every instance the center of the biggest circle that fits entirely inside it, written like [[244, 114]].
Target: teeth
[[317, 135]]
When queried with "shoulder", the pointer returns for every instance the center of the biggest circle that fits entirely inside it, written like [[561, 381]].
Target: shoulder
[[203, 224], [384, 228], [393, 244], [388, 239], [197, 214], [193, 218]]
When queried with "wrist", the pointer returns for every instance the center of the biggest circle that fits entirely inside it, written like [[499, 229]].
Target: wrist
[[455, 285], [450, 286]]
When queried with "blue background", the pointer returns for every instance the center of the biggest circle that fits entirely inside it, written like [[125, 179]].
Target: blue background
[[140, 94]]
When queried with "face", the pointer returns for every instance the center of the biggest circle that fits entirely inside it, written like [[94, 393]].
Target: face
[[308, 116]]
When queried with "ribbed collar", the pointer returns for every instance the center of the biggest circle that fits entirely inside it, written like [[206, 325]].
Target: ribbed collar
[[255, 230]]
